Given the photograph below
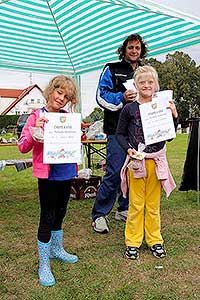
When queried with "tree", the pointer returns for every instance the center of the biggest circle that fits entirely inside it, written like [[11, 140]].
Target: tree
[[96, 115], [180, 74]]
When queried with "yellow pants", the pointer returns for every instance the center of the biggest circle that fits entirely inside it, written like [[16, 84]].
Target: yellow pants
[[144, 208]]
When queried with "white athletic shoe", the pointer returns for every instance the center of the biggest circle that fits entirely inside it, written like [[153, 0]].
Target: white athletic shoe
[[121, 215], [100, 225]]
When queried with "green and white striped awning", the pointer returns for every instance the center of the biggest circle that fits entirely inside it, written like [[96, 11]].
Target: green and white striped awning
[[77, 36]]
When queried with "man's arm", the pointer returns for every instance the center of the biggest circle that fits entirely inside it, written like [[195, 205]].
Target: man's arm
[[106, 97]]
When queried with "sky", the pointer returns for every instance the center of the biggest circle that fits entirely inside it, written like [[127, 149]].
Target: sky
[[89, 81]]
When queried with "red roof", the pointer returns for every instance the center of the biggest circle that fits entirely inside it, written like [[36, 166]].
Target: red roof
[[19, 97], [10, 93]]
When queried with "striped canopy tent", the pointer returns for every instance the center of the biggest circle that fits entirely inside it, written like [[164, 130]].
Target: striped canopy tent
[[78, 36]]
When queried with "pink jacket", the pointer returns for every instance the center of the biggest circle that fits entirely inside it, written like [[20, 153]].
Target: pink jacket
[[26, 143], [162, 171]]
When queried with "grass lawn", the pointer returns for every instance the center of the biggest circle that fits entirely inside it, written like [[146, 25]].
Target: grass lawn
[[101, 273]]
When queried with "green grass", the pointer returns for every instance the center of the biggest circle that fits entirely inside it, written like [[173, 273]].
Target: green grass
[[101, 273]]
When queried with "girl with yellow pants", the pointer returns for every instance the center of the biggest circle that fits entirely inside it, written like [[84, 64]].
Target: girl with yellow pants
[[144, 191], [144, 194]]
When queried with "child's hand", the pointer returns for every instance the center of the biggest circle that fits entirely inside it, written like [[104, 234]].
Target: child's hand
[[131, 152], [40, 122], [173, 109]]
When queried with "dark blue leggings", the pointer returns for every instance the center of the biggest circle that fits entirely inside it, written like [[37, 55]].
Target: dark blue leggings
[[54, 197]]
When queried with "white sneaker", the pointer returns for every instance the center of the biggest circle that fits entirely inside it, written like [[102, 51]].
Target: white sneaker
[[100, 225], [121, 215]]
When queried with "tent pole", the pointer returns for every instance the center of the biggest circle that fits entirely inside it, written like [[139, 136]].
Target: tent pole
[[77, 79]]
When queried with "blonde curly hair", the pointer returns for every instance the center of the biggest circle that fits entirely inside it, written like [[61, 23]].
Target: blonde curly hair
[[66, 83]]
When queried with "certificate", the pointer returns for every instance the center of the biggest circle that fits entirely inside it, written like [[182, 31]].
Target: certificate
[[62, 138], [157, 120]]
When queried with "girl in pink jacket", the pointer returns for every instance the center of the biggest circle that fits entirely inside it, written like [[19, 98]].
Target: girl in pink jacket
[[54, 180]]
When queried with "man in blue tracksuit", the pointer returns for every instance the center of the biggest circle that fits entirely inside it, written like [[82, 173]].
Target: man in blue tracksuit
[[112, 96]]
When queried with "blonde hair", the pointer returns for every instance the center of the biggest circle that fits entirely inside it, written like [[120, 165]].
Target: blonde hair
[[66, 83], [144, 70]]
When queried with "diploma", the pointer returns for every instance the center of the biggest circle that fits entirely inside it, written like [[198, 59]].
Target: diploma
[[157, 120], [62, 138]]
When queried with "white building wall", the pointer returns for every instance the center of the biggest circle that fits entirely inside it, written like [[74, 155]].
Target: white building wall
[[4, 103], [33, 100]]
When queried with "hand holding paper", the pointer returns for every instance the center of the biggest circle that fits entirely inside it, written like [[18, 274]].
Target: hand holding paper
[[131, 92], [130, 85], [173, 109]]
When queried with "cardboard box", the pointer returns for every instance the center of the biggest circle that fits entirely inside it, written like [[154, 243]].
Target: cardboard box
[[85, 188]]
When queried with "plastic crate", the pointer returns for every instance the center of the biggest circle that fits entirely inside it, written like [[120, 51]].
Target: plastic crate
[[85, 188]]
